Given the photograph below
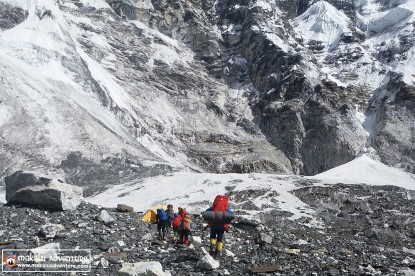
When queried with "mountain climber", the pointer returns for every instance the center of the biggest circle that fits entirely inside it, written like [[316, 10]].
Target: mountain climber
[[170, 216], [161, 219], [177, 220], [182, 212], [218, 216], [185, 229]]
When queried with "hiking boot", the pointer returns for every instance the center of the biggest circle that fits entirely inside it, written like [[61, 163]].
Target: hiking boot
[[218, 254], [212, 250]]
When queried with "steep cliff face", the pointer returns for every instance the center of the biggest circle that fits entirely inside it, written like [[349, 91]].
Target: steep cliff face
[[220, 86]]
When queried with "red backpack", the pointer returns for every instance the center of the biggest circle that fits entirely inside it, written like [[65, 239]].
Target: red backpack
[[177, 221], [220, 203], [185, 223]]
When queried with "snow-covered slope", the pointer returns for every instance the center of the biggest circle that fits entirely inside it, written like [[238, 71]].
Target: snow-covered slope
[[88, 90], [195, 191]]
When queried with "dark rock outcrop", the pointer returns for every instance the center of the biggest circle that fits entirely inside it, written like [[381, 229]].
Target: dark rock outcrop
[[29, 189], [11, 16]]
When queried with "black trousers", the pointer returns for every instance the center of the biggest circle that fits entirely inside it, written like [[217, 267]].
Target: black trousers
[[217, 233], [161, 227], [184, 235]]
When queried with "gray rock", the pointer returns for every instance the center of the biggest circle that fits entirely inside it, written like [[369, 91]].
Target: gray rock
[[124, 208], [142, 269], [115, 257], [27, 188], [207, 262], [394, 130], [105, 218], [264, 239], [83, 224], [147, 237], [50, 231], [103, 263], [10, 16]]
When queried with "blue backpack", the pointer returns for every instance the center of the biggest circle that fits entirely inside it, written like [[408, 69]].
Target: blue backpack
[[162, 215]]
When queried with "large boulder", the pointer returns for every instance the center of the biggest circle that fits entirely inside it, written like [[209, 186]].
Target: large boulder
[[124, 208], [42, 192], [142, 269]]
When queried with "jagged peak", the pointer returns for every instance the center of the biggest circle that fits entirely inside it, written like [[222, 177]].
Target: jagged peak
[[322, 22]]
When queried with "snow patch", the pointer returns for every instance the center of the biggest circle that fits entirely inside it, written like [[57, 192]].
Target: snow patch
[[407, 68], [274, 38], [262, 4], [368, 171], [5, 114], [98, 4]]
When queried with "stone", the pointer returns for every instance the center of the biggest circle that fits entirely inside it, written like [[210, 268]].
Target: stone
[[264, 269], [115, 257], [105, 218], [142, 269], [124, 208], [264, 239], [229, 253], [197, 239], [51, 230], [103, 263], [42, 192], [292, 251], [83, 224], [147, 237], [207, 262], [103, 247]]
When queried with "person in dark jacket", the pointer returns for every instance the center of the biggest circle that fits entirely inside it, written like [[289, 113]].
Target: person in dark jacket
[[217, 232], [170, 216]]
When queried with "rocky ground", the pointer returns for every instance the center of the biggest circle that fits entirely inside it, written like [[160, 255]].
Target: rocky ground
[[365, 231]]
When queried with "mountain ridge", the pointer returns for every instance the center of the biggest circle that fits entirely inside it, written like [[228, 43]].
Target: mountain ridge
[[216, 87]]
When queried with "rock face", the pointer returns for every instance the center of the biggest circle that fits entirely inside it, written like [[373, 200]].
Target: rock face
[[11, 16], [394, 127], [219, 86], [27, 188]]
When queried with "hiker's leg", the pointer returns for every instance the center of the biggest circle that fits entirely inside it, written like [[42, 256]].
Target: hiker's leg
[[186, 237], [181, 236], [219, 244], [175, 232], [164, 231], [159, 229], [212, 241]]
